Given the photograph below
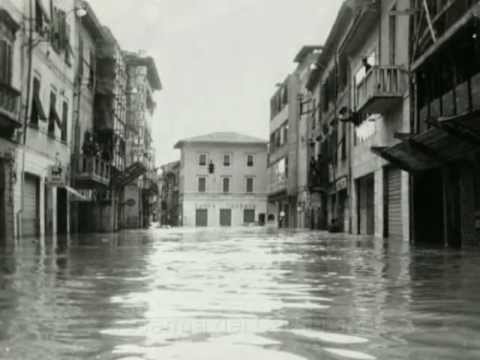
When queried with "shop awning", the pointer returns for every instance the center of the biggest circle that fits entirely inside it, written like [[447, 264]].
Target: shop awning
[[449, 139], [76, 194]]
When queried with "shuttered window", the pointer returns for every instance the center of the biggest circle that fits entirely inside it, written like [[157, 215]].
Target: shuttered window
[[226, 185], [5, 62], [64, 121], [249, 183], [202, 184]]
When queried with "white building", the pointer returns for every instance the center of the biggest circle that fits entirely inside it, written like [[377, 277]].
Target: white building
[[223, 180]]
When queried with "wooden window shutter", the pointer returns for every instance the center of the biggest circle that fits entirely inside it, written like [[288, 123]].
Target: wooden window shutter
[[3, 60]]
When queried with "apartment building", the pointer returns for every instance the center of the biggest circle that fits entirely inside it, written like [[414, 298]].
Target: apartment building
[[441, 148], [282, 155], [48, 98], [169, 206], [10, 120], [330, 165], [91, 170], [223, 180], [143, 82]]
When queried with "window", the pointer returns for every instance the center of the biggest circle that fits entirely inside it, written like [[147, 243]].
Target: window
[[248, 216], [37, 112], [64, 121], [202, 184], [226, 160], [226, 185], [202, 160], [5, 62], [250, 160], [91, 78], [249, 183], [53, 118], [392, 23]]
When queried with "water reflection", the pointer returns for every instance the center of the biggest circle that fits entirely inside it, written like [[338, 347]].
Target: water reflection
[[174, 294]]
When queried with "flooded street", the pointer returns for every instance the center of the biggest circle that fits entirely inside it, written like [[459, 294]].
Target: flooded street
[[246, 294]]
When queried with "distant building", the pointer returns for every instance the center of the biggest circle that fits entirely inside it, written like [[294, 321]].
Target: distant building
[[169, 206], [143, 81], [223, 180]]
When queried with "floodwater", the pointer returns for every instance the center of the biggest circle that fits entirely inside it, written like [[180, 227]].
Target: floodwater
[[237, 294]]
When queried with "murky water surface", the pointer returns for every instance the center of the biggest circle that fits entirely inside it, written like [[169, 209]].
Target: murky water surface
[[248, 294]]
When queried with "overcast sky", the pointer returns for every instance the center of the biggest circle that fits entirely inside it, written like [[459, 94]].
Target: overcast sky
[[219, 60]]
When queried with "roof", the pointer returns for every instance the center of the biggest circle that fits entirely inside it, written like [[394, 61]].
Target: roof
[[340, 25], [138, 60], [305, 51], [221, 138], [92, 23]]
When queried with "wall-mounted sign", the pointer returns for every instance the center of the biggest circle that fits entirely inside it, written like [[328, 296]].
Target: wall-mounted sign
[[130, 202], [56, 176]]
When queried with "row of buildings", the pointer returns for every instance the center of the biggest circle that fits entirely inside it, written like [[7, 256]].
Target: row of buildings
[[377, 131], [76, 149]]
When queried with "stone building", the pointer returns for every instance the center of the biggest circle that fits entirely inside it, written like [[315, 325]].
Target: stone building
[[47, 98], [223, 180], [169, 206], [90, 171], [441, 148], [283, 152], [10, 121], [377, 45], [143, 81]]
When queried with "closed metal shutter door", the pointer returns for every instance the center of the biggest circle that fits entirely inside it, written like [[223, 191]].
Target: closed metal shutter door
[[394, 197], [30, 219], [225, 217], [201, 217]]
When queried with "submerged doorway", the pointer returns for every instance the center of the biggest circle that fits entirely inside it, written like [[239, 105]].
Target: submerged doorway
[[366, 205], [62, 216], [428, 207]]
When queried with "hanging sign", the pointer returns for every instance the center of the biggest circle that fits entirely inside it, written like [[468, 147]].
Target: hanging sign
[[56, 176]]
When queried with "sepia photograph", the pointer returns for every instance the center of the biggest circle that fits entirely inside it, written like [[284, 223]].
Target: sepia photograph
[[239, 179]]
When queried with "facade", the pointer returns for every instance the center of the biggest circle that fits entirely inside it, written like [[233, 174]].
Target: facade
[[283, 153], [10, 121], [143, 81], [441, 149], [169, 206], [305, 124], [47, 98], [381, 105], [223, 180], [91, 170]]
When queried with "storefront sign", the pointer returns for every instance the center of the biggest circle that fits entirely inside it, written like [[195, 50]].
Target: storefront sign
[[225, 206], [56, 176]]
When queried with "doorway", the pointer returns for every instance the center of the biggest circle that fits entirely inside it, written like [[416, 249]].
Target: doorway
[[225, 217], [428, 207], [62, 211], [201, 217], [366, 205]]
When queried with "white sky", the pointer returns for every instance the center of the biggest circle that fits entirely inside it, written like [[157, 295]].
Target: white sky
[[219, 60]]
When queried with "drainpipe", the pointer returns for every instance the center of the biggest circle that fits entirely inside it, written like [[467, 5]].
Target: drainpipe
[[30, 46]]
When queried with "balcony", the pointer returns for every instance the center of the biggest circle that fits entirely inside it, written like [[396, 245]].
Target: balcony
[[382, 88], [91, 172], [9, 108]]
